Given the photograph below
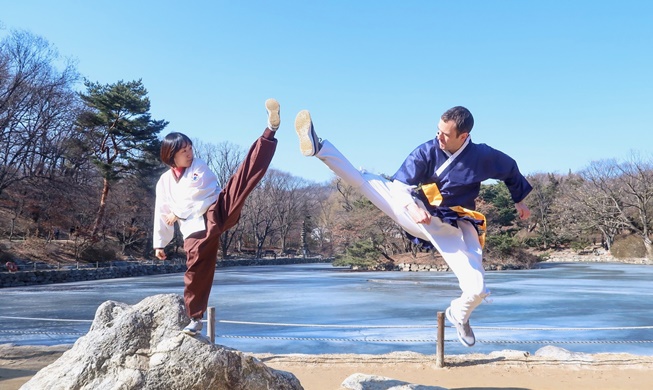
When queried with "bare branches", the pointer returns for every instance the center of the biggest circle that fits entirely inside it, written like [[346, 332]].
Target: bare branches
[[37, 108], [620, 195]]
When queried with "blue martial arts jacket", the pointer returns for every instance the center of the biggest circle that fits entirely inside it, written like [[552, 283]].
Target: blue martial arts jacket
[[456, 188]]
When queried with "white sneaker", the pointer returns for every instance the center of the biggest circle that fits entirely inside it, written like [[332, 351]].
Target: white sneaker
[[194, 327], [464, 330], [309, 144], [273, 109]]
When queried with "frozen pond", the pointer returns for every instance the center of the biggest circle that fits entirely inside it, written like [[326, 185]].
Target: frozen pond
[[593, 307]]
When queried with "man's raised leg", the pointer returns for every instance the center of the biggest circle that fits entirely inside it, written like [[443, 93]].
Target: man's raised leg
[[459, 246]]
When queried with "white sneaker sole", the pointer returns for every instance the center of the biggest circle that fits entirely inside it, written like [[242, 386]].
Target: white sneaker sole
[[274, 119], [304, 129], [193, 331]]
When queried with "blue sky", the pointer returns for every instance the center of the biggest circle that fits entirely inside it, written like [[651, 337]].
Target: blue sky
[[555, 84]]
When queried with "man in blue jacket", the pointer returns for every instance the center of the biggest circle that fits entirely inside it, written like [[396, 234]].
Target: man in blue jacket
[[432, 197]]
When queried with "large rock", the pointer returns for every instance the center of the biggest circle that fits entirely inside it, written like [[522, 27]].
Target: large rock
[[557, 353], [141, 347], [373, 382]]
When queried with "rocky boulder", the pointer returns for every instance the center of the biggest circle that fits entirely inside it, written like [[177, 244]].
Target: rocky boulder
[[557, 353], [373, 382], [141, 347]]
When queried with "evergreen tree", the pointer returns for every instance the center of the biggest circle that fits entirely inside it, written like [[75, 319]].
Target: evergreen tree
[[119, 133]]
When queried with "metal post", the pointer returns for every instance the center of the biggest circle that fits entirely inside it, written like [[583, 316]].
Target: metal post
[[210, 329], [439, 350]]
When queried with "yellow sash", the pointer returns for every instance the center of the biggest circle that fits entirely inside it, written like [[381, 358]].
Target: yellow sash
[[463, 212], [434, 197], [432, 193]]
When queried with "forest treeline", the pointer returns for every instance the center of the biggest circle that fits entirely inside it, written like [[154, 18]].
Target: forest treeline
[[79, 161]]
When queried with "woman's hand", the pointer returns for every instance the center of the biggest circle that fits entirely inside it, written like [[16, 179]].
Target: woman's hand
[[170, 219], [160, 253]]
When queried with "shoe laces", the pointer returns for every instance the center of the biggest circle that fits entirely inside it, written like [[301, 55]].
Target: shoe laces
[[467, 328]]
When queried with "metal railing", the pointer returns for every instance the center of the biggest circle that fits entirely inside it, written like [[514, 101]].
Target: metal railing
[[439, 328]]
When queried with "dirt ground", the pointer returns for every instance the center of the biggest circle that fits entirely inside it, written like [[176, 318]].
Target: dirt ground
[[511, 370]]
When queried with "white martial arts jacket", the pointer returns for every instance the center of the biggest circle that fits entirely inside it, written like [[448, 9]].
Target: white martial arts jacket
[[188, 199]]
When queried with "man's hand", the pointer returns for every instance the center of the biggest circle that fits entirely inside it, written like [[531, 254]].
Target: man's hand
[[170, 219], [160, 253], [522, 210], [418, 214]]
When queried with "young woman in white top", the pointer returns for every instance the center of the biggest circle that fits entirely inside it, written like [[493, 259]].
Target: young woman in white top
[[189, 194]]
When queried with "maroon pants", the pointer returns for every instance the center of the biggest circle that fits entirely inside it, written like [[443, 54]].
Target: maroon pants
[[202, 247]]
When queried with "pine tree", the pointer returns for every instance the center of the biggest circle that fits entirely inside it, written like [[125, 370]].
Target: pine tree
[[119, 133]]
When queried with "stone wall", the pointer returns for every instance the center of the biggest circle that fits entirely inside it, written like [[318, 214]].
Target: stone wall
[[409, 267], [34, 277], [600, 257], [553, 258]]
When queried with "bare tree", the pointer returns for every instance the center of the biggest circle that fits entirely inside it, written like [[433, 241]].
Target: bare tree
[[548, 210], [588, 208], [258, 215], [129, 214], [624, 195], [636, 181], [323, 214], [223, 159], [358, 220], [290, 203], [37, 107]]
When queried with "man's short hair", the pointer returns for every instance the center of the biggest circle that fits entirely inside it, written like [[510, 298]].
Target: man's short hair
[[462, 118]]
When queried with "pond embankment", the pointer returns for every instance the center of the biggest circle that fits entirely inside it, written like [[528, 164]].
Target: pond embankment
[[129, 269]]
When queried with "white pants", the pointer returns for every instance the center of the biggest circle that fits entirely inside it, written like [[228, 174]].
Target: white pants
[[459, 247]]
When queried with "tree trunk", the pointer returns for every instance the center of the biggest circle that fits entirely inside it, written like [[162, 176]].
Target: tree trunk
[[259, 248], [283, 244], [649, 250], [100, 212], [223, 249], [224, 243]]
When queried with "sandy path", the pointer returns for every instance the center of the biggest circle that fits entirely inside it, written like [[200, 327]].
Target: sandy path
[[501, 370]]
